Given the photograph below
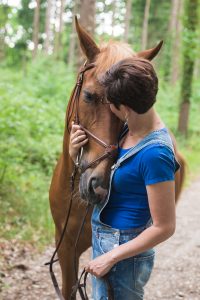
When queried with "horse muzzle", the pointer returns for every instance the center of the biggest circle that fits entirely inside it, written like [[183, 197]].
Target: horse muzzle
[[92, 188]]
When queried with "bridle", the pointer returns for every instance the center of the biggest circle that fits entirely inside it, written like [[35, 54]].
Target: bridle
[[74, 105], [109, 152]]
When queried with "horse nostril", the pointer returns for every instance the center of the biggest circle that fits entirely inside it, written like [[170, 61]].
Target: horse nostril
[[95, 188], [93, 183]]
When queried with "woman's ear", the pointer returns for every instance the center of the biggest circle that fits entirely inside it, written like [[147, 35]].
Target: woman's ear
[[125, 111]]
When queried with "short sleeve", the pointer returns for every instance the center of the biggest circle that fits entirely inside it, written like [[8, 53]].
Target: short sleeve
[[157, 164]]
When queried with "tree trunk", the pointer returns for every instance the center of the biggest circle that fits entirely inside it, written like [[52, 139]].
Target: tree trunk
[[127, 20], [47, 26], [113, 16], [197, 63], [191, 13], [2, 45], [87, 15], [175, 35], [87, 20], [36, 23], [73, 37], [145, 24], [58, 34], [175, 5]]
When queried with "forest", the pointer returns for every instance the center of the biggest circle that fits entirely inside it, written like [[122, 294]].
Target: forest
[[39, 60]]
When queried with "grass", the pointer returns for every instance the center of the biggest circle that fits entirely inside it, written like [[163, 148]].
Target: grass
[[33, 103]]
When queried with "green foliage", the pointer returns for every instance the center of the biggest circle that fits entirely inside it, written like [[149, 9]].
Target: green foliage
[[32, 116], [189, 47], [25, 18], [136, 24], [168, 107], [4, 11]]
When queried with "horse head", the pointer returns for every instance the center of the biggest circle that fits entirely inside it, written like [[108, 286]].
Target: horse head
[[96, 116]]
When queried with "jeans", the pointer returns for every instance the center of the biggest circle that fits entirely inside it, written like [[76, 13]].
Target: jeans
[[128, 277]]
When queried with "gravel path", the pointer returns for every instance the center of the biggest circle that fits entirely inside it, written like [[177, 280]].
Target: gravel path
[[176, 274]]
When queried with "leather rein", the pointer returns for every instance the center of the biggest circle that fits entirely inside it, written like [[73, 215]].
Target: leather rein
[[109, 151]]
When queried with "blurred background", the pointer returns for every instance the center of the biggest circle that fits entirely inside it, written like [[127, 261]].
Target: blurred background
[[38, 64]]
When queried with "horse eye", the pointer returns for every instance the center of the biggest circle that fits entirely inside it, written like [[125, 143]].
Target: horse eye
[[88, 97]]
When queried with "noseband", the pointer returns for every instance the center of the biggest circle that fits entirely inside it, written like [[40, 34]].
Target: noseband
[[109, 152]]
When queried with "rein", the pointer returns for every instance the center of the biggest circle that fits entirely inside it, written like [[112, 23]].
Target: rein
[[109, 151]]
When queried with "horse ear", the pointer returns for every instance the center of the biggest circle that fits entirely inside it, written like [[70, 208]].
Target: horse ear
[[88, 46], [150, 53]]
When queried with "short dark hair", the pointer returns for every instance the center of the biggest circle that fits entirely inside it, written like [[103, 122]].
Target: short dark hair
[[132, 82]]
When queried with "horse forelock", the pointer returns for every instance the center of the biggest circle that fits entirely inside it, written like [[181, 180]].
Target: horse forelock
[[110, 53]]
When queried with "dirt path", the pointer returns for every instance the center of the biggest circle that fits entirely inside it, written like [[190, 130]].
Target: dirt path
[[176, 274]]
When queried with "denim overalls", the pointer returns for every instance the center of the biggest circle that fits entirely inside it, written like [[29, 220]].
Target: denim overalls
[[128, 277]]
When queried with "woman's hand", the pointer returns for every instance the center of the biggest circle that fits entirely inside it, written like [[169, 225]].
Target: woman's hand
[[78, 139], [100, 265]]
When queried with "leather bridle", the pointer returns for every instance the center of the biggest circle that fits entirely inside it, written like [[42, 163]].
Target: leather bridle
[[109, 152]]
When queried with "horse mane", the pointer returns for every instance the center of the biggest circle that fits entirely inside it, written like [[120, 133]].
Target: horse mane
[[110, 53]]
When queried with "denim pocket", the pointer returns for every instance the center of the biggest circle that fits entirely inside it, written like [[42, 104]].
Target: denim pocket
[[106, 242], [143, 265]]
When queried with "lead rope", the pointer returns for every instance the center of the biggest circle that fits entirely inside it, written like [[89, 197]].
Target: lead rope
[[52, 260]]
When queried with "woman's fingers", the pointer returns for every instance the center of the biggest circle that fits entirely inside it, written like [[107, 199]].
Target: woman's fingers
[[83, 142], [79, 145], [77, 134], [76, 131], [75, 127], [78, 139]]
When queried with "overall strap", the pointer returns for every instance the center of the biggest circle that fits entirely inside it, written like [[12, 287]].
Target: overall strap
[[142, 145]]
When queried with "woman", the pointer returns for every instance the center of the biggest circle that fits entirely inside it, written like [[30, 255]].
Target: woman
[[139, 212]]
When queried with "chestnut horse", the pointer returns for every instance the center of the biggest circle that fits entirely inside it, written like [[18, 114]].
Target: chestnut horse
[[93, 182]]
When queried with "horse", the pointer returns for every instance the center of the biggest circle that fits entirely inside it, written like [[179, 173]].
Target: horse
[[91, 185]]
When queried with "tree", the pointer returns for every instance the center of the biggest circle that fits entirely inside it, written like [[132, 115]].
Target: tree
[[87, 20], [72, 44], [87, 15], [113, 15], [58, 33], [36, 25], [145, 24], [127, 20], [191, 21], [47, 26], [4, 10], [175, 35]]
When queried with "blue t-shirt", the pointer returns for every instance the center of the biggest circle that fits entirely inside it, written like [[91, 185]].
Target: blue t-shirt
[[128, 202]]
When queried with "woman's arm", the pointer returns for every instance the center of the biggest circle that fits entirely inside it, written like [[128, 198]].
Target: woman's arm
[[161, 197]]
